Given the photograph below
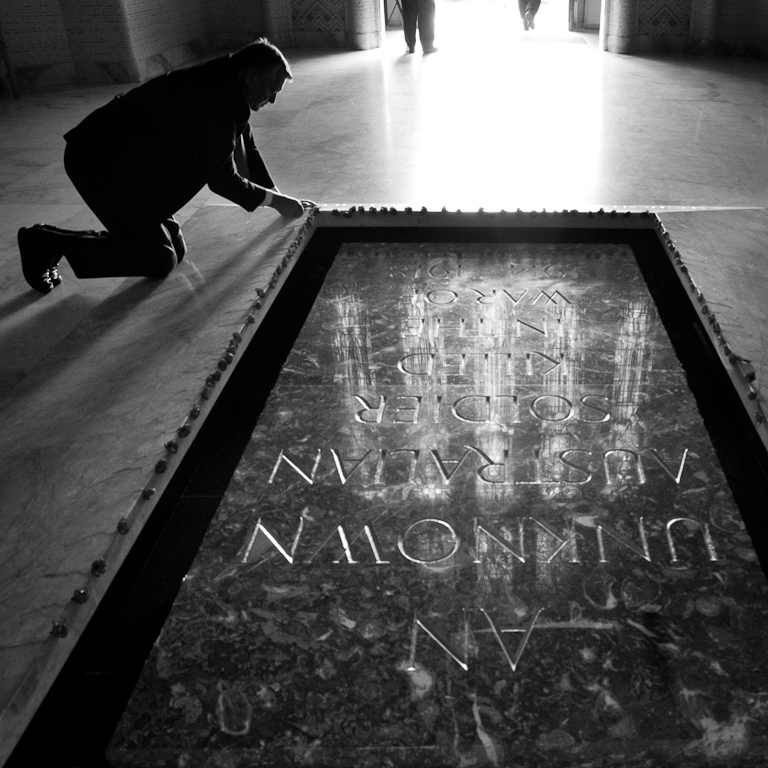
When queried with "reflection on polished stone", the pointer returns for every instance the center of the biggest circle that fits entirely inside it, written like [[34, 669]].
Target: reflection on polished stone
[[479, 523]]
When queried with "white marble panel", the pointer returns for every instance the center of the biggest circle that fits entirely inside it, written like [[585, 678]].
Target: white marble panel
[[88, 426], [726, 256]]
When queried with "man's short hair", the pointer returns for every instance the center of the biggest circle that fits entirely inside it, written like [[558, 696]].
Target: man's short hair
[[261, 54]]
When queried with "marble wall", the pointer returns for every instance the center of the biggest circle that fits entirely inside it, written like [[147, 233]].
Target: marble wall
[[702, 36], [53, 42], [620, 22], [686, 26], [164, 33], [235, 22], [743, 27], [99, 41], [365, 24], [37, 42]]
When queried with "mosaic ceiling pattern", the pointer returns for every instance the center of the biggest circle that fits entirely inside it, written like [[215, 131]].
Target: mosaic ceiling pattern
[[666, 18], [318, 16]]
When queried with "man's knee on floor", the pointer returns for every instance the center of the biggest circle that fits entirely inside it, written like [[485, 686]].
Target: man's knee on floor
[[155, 252], [162, 263], [152, 257]]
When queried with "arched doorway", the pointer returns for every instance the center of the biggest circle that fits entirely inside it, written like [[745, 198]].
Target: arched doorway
[[585, 15], [489, 21]]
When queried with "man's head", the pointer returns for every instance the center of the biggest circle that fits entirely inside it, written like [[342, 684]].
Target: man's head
[[262, 71]]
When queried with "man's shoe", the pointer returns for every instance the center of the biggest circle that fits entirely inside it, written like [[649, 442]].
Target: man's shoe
[[38, 261], [430, 49], [179, 245], [177, 238], [409, 49], [53, 271]]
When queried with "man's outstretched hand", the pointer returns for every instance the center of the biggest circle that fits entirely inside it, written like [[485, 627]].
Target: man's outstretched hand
[[290, 207]]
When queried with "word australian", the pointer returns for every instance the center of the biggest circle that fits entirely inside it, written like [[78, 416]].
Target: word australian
[[571, 466]]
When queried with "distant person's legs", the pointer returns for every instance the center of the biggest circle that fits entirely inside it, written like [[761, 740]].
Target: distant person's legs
[[528, 11], [427, 25], [419, 14], [410, 21]]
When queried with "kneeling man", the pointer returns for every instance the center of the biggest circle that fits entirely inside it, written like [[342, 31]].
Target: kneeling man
[[137, 160]]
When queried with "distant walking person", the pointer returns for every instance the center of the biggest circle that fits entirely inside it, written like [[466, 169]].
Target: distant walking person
[[528, 11], [421, 14]]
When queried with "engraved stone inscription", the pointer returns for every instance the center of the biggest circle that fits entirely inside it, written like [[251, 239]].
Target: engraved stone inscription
[[479, 523]]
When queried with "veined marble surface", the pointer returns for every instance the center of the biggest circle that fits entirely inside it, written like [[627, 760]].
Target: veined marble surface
[[82, 439], [726, 254], [446, 464], [497, 125]]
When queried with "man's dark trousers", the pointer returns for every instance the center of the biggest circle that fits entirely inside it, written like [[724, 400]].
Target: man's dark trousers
[[139, 240], [421, 14]]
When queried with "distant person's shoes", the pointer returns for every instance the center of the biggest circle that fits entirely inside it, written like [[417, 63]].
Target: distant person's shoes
[[529, 20], [38, 259], [430, 49], [410, 50]]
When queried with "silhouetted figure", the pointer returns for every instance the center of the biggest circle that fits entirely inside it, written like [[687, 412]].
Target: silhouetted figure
[[528, 11], [421, 14], [141, 157]]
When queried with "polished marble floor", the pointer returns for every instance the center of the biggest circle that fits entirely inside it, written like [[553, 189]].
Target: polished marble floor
[[93, 384]]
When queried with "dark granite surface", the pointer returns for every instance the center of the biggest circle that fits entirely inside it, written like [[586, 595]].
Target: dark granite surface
[[480, 523]]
